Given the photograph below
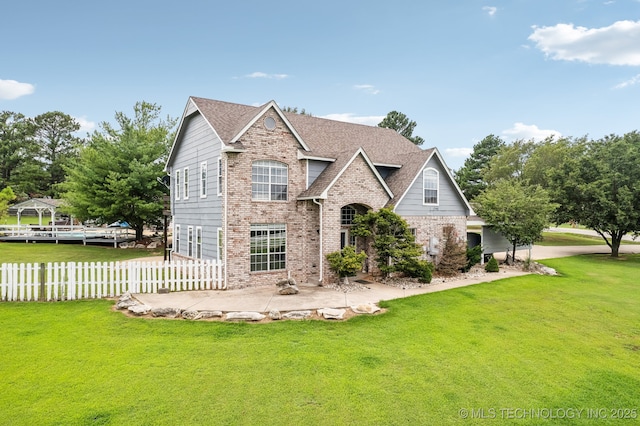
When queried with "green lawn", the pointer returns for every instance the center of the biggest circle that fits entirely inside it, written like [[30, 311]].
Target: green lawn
[[528, 343], [48, 252], [25, 220], [571, 239]]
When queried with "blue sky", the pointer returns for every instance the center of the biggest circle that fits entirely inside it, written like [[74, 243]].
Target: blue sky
[[461, 69]]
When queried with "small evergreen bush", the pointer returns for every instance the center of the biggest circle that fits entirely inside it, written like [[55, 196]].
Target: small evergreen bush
[[346, 262], [421, 269], [492, 265], [473, 257]]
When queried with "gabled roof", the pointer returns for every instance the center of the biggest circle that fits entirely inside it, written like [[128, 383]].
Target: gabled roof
[[333, 141], [34, 203], [321, 186]]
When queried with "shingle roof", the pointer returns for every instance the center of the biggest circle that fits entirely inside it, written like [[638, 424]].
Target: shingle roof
[[328, 139]]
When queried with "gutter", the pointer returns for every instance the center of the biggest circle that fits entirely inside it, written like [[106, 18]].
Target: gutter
[[315, 200]]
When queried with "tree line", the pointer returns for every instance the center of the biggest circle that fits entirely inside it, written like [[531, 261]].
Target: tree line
[[522, 187]]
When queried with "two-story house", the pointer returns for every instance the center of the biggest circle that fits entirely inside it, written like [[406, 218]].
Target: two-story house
[[271, 193]]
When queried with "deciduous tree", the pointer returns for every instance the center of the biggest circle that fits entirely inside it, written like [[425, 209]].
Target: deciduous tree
[[599, 187], [517, 211]]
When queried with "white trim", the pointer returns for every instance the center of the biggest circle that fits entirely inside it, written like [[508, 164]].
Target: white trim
[[190, 241], [360, 151], [428, 169], [185, 183], [176, 239], [204, 184], [177, 184], [302, 156], [391, 166], [232, 149], [270, 183], [261, 113], [219, 252], [198, 242]]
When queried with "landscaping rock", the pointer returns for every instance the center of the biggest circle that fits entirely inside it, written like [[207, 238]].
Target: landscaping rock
[[153, 245], [125, 301], [208, 314], [124, 245], [297, 315], [139, 246], [275, 314], [330, 313], [366, 308], [190, 314], [288, 286], [166, 312], [139, 309], [248, 316]]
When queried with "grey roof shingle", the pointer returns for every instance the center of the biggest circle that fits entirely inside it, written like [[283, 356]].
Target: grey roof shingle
[[328, 139]]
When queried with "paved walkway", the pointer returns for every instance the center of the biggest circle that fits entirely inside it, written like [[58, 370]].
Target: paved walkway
[[263, 299]]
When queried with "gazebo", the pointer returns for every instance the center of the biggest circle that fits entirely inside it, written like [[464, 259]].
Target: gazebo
[[39, 205]]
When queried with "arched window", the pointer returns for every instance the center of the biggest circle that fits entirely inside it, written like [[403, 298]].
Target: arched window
[[269, 181], [347, 213], [430, 186]]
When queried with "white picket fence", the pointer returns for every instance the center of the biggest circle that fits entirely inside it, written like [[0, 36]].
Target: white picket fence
[[91, 280]]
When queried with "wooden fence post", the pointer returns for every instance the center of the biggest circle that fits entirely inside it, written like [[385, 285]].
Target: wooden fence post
[[42, 296]]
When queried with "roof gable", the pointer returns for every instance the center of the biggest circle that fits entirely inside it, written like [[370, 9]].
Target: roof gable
[[335, 170]]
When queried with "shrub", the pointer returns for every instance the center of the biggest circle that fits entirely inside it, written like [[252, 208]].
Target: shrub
[[421, 269], [492, 265], [346, 262], [453, 258], [474, 254]]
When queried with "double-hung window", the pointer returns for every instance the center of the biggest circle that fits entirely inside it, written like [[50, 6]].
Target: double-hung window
[[185, 195], [269, 181], [199, 242], [430, 186], [203, 179], [177, 186], [176, 239], [190, 241], [268, 247]]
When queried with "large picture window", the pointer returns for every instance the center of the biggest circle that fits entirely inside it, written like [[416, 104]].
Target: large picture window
[[430, 186], [268, 247], [269, 181]]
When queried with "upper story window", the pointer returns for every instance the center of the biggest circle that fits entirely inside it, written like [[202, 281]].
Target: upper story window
[[347, 214], [185, 194], [269, 181], [203, 179], [430, 186], [177, 187]]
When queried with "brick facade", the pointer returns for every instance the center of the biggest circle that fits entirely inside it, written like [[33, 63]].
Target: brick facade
[[432, 226]]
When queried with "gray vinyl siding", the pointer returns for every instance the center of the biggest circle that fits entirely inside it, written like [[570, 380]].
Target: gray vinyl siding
[[314, 169], [492, 242], [197, 144], [449, 202]]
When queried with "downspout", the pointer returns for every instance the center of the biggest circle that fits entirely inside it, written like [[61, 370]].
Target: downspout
[[321, 257]]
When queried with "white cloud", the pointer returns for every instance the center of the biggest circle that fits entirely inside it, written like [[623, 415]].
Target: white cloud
[[367, 88], [631, 82], [11, 89], [528, 132], [491, 10], [617, 44], [86, 126], [458, 152], [259, 74], [348, 117]]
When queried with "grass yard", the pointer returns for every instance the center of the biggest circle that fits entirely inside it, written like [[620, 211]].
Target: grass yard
[[528, 343], [571, 239], [48, 252]]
